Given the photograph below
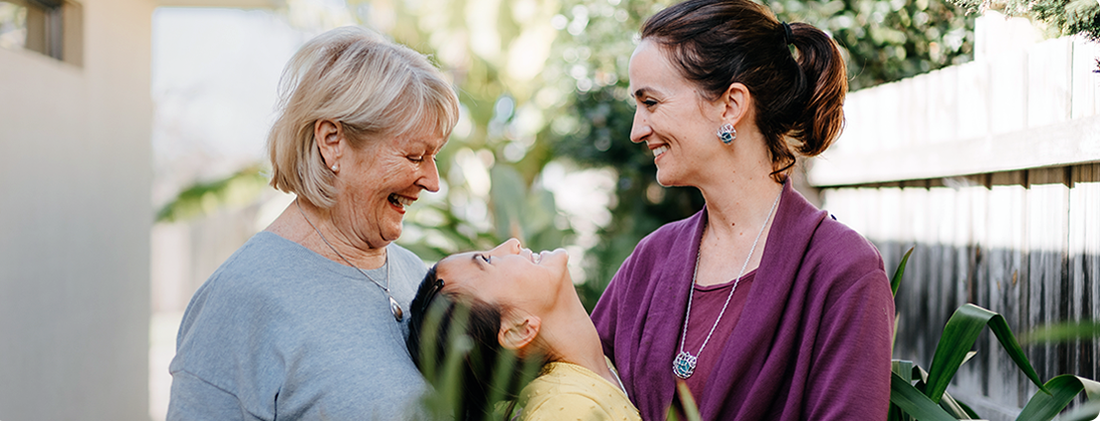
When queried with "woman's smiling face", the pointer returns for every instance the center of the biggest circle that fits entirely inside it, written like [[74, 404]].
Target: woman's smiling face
[[508, 275], [672, 118], [384, 177]]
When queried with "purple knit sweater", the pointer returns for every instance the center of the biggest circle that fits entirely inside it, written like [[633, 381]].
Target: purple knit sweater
[[812, 343]]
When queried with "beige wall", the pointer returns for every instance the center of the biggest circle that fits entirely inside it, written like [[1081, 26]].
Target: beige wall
[[75, 220]]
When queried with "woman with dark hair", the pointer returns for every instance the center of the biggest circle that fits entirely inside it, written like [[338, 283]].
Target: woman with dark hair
[[511, 303], [765, 306]]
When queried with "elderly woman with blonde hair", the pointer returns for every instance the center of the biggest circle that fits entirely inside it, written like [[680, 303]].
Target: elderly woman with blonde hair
[[308, 318]]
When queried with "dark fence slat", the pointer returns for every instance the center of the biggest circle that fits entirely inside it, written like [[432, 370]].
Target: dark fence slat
[[1025, 244]]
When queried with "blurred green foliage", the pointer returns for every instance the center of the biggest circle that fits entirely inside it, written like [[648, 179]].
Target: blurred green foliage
[[495, 52], [1064, 332], [1063, 17], [888, 40], [519, 211], [204, 197]]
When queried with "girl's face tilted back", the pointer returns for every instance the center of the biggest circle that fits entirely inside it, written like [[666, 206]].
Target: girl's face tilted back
[[509, 276], [503, 303]]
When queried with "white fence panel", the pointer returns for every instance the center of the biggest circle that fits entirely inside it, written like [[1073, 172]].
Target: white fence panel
[[991, 170]]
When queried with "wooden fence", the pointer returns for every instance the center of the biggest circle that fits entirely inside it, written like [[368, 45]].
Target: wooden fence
[[991, 169]]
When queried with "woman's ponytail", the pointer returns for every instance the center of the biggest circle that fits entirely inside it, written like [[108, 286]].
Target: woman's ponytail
[[822, 118]]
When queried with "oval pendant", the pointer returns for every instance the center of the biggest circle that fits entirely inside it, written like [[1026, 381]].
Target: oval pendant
[[396, 309], [684, 365]]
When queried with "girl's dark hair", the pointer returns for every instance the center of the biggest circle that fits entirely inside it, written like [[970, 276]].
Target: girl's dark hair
[[444, 327], [719, 42]]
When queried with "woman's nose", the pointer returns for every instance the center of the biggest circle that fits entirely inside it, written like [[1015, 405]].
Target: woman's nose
[[640, 129], [430, 180]]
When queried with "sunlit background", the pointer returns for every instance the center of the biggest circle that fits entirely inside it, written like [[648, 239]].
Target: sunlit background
[[528, 159], [540, 151], [947, 126]]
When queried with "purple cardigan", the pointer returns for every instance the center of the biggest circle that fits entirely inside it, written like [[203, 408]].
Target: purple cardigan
[[812, 343]]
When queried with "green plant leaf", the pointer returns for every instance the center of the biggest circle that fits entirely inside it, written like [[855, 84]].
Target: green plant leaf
[[920, 374], [1086, 412], [895, 281], [505, 366], [1044, 407], [904, 369], [894, 337], [968, 356], [915, 403], [1063, 332], [958, 337], [969, 411], [954, 407], [908, 372], [450, 380], [691, 411]]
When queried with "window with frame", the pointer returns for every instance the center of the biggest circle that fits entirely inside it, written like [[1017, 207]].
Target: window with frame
[[50, 27]]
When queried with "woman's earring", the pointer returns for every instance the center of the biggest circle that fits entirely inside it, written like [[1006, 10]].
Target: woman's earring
[[727, 133], [334, 167]]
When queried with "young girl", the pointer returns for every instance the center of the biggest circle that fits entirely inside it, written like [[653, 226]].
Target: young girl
[[519, 303]]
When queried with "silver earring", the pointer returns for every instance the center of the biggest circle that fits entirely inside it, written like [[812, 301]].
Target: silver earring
[[727, 133], [333, 167]]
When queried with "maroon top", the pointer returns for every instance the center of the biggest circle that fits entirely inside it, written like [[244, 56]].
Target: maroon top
[[812, 342], [705, 306]]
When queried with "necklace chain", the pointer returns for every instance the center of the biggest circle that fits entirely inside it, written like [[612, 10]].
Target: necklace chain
[[394, 307], [684, 364]]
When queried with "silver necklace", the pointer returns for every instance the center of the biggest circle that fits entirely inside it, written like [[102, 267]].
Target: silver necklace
[[684, 364], [394, 307]]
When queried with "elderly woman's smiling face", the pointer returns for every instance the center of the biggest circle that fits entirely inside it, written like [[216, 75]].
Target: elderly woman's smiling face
[[383, 178]]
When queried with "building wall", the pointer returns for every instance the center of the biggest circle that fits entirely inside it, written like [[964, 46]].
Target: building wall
[[75, 219]]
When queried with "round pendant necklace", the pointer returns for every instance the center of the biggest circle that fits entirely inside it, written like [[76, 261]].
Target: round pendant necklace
[[394, 307], [684, 364]]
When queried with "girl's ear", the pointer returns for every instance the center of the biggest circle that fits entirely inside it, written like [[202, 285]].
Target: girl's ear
[[517, 332], [738, 103]]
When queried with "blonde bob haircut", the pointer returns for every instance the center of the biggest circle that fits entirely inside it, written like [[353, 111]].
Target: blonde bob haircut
[[377, 90]]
